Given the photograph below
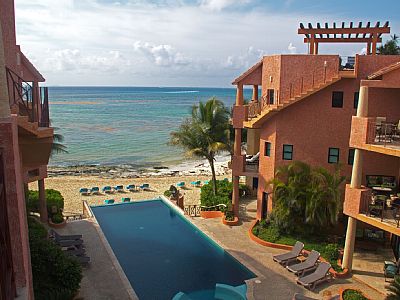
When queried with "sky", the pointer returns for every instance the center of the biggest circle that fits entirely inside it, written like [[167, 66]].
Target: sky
[[196, 43]]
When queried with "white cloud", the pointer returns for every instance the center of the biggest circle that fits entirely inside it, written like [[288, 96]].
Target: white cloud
[[292, 49], [250, 57], [217, 5], [161, 55]]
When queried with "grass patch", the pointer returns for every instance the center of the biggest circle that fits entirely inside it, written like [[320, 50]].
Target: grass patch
[[328, 250]]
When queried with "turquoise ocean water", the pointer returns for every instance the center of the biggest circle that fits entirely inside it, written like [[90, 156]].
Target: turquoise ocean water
[[124, 125]]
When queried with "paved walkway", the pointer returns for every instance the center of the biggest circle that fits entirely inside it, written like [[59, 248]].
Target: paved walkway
[[101, 279]]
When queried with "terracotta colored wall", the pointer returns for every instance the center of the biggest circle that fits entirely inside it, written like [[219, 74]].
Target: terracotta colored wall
[[16, 203], [271, 67], [7, 18], [380, 164], [384, 103], [369, 64]]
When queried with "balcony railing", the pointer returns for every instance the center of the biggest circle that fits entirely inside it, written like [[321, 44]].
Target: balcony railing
[[384, 208], [27, 99], [383, 133]]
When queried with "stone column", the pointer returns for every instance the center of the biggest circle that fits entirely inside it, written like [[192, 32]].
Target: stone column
[[255, 93], [4, 100], [356, 179], [239, 94], [42, 202], [237, 147]]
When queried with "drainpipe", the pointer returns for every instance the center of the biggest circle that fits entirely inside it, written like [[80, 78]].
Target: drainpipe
[[4, 100]]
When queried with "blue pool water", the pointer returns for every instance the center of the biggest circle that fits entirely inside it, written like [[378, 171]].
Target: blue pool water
[[162, 253]]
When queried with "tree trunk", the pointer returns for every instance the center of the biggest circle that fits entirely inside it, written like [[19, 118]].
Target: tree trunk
[[4, 101], [214, 178]]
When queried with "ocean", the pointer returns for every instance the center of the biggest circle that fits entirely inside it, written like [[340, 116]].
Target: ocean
[[114, 126]]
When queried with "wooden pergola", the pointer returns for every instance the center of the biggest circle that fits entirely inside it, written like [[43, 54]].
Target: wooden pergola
[[361, 34]]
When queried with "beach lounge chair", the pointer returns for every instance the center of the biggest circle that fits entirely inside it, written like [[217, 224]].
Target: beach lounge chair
[[68, 243], [145, 187], [83, 260], [206, 181], [126, 199], [60, 237], [286, 258], [131, 188], [320, 275], [84, 191], [73, 251], [196, 183], [181, 184], [307, 265], [108, 189], [95, 190], [109, 201], [119, 188]]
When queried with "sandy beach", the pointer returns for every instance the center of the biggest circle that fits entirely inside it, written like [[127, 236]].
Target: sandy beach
[[69, 187]]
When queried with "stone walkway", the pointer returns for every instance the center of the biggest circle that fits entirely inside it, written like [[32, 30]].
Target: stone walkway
[[102, 279]]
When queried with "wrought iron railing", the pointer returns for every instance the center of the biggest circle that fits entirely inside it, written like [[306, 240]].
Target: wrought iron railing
[[27, 99], [192, 210], [383, 133]]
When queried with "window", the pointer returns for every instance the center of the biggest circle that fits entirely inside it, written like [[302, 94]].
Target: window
[[267, 151], [333, 155], [356, 95], [287, 152], [271, 96], [337, 99], [350, 158]]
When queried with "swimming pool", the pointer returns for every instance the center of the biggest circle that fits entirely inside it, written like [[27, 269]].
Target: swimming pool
[[162, 253]]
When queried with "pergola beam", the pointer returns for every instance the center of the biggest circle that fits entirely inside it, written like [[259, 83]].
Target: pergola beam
[[370, 30], [342, 40]]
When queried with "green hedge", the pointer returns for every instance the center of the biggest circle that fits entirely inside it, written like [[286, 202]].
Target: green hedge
[[353, 295], [53, 198], [55, 275]]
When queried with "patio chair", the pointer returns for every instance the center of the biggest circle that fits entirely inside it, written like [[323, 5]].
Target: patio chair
[[181, 184], [145, 187], [119, 188], [253, 160], [108, 189], [390, 269], [84, 191], [126, 199], [286, 258], [95, 190], [375, 208], [131, 188], [196, 183], [320, 275], [309, 264], [60, 237], [109, 201]]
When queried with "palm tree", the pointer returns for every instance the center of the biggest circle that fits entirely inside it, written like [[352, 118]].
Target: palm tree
[[324, 198], [390, 47], [205, 133], [57, 146]]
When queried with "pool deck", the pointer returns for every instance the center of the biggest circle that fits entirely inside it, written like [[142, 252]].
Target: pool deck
[[103, 278]]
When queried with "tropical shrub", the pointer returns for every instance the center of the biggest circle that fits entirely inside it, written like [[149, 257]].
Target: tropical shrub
[[307, 196], [350, 294], [57, 218], [53, 199], [224, 195], [55, 275], [394, 289]]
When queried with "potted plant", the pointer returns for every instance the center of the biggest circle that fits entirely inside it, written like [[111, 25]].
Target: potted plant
[[351, 294], [229, 217]]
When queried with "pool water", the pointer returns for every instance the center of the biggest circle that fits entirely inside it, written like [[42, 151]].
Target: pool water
[[162, 253]]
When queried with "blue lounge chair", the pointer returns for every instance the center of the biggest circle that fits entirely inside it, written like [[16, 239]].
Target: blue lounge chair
[[145, 187], [108, 189], [95, 190], [109, 201], [126, 199], [84, 191], [119, 188], [206, 181], [131, 188], [196, 183], [181, 184]]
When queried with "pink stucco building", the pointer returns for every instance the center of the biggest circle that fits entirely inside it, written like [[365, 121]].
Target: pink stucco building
[[25, 145], [307, 112]]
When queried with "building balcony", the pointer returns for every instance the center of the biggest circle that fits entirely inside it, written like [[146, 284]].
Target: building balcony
[[375, 134], [380, 213], [244, 167]]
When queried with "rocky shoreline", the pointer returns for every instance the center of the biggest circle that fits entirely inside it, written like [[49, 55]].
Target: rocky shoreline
[[127, 171]]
